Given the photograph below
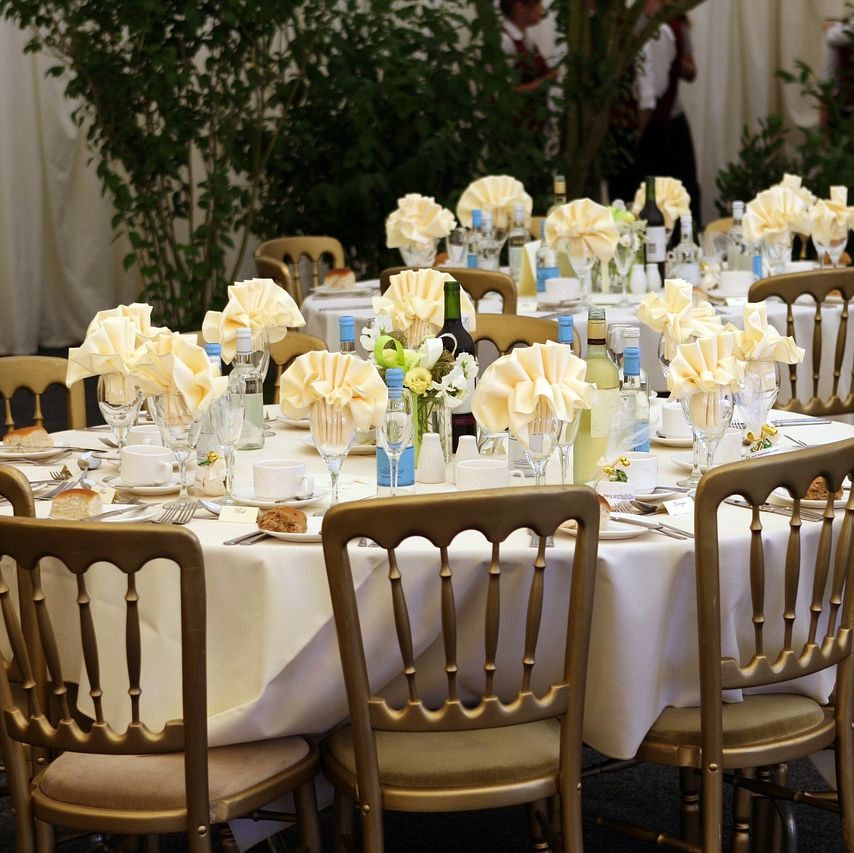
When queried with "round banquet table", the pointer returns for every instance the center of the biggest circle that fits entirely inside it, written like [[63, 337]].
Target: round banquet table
[[273, 665]]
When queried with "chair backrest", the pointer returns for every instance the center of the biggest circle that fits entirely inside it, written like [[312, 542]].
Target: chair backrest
[[76, 547], [283, 352], [818, 285], [719, 226], [477, 283], [36, 373], [512, 601], [277, 270], [291, 250], [506, 332], [792, 635]]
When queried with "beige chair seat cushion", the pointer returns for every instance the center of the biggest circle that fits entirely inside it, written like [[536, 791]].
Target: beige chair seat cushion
[[756, 720], [427, 760], [156, 782]]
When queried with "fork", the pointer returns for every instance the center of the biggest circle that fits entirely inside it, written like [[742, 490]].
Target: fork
[[109, 442], [639, 508], [179, 512]]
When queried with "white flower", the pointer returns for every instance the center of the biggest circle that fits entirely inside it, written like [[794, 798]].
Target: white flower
[[430, 351], [369, 336], [468, 363]]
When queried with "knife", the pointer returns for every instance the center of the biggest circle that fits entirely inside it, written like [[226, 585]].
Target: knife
[[786, 422], [246, 538], [128, 510], [672, 532], [806, 515]]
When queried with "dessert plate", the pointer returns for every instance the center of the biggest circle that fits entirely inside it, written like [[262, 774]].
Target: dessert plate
[[665, 441], [782, 497], [13, 452], [614, 530], [313, 523]]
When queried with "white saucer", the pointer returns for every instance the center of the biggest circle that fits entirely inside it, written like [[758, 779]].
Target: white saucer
[[614, 530], [658, 497], [313, 523], [664, 441], [164, 489], [246, 495], [355, 450], [301, 423], [782, 497], [12, 452], [546, 304], [143, 515]]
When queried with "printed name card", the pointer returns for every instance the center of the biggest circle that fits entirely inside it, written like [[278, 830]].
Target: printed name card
[[107, 493], [679, 506], [242, 514]]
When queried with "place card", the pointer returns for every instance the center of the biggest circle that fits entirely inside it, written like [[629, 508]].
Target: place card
[[242, 514], [107, 493], [679, 506]]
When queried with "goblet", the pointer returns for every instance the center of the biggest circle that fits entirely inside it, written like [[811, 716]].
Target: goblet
[[543, 434], [710, 414], [393, 435], [833, 248], [179, 427], [566, 438], [119, 400], [227, 417], [625, 255], [420, 254], [777, 250], [757, 396], [333, 430], [583, 267]]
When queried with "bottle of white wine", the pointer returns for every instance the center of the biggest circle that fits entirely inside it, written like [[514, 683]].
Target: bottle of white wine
[[593, 432]]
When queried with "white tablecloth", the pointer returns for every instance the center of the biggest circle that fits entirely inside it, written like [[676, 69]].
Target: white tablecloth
[[273, 665]]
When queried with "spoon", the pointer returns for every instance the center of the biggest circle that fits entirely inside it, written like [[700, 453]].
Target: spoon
[[87, 462]]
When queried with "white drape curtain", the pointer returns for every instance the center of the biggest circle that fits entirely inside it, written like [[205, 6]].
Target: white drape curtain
[[59, 262]]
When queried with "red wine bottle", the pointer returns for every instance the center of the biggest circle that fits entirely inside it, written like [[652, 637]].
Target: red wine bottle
[[456, 339], [655, 249]]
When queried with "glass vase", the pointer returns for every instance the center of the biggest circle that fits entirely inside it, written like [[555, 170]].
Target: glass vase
[[431, 415], [756, 398]]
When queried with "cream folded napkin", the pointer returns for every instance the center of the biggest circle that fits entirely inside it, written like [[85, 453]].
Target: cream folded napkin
[[831, 219], [415, 302], [773, 213], [674, 315], [511, 388], [586, 227], [760, 342], [340, 380], [498, 192], [107, 348], [704, 366], [671, 198], [418, 219], [172, 363], [258, 303], [796, 185], [139, 313]]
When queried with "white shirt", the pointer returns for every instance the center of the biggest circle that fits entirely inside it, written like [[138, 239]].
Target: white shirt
[[509, 32], [652, 76]]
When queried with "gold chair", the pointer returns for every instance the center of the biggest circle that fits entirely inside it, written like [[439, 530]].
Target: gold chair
[[818, 285], [719, 226], [141, 781], [506, 332], [790, 640], [488, 750], [477, 283], [278, 271], [36, 373], [291, 250], [283, 352]]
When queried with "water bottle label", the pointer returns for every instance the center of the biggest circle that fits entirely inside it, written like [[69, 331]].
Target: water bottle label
[[544, 273], [471, 261], [656, 245], [405, 471], [757, 266]]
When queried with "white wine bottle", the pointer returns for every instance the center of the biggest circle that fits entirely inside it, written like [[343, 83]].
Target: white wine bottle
[[595, 427]]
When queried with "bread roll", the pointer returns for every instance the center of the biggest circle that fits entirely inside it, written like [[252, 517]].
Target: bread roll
[[31, 436], [339, 279], [818, 491], [283, 519], [604, 512], [76, 504]]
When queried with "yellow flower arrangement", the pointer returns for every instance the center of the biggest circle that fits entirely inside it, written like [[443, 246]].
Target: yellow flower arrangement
[[418, 380]]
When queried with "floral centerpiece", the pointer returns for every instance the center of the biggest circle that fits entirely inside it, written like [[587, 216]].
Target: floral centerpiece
[[671, 198], [416, 228]]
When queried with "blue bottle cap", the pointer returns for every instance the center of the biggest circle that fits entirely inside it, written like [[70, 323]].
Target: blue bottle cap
[[346, 328], [476, 218], [394, 377], [213, 349], [565, 329], [631, 361]]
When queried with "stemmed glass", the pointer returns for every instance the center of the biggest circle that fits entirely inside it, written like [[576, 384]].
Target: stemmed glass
[[566, 438], [179, 427], [834, 248], [625, 255], [333, 430], [119, 400], [227, 417], [757, 396], [418, 255], [393, 435], [710, 414], [583, 267], [777, 251], [543, 434]]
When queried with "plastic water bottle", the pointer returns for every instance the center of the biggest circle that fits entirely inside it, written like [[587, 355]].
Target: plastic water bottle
[[547, 266], [244, 374], [396, 433], [346, 333], [474, 239], [634, 403], [207, 442]]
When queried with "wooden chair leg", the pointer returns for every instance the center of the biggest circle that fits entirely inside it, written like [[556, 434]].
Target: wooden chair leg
[[227, 844], [783, 828], [344, 811], [742, 806], [305, 799], [763, 815], [538, 841], [689, 809], [152, 844], [45, 837]]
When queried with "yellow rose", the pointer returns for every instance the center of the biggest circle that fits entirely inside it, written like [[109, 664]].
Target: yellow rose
[[418, 380]]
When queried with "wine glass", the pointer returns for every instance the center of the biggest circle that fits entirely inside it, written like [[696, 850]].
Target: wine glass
[[119, 400], [333, 430], [710, 414], [566, 438], [757, 396], [261, 351], [179, 427], [583, 267], [543, 434], [625, 255], [393, 435], [227, 417], [834, 248], [777, 251], [418, 255]]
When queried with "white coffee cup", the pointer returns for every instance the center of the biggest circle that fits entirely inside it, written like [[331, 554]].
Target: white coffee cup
[[484, 473], [736, 283], [145, 434], [673, 421], [729, 448], [146, 465], [642, 471], [280, 479], [561, 289]]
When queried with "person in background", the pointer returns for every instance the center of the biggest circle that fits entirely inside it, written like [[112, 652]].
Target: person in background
[[839, 67], [516, 17]]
